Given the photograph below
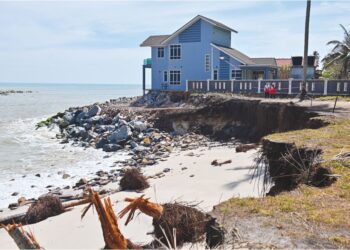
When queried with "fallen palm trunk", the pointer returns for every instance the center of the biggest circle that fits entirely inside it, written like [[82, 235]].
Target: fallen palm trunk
[[17, 218], [76, 203], [23, 239], [175, 224], [112, 236]]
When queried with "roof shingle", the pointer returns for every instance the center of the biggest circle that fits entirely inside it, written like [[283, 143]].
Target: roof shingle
[[154, 40]]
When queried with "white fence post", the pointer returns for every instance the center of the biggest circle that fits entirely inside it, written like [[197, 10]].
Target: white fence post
[[259, 86], [325, 86], [231, 85], [290, 86], [186, 85], [207, 85]]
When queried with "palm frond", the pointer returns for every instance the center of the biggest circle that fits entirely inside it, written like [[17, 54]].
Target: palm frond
[[345, 31], [334, 42]]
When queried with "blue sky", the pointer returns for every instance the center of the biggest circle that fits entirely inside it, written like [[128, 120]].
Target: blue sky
[[98, 41]]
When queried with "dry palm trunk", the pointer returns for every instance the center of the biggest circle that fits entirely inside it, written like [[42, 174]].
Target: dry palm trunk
[[112, 236], [23, 239]]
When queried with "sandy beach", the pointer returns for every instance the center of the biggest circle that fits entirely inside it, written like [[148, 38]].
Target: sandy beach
[[189, 171]]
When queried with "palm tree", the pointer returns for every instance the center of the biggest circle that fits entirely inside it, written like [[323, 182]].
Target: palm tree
[[340, 55], [306, 41]]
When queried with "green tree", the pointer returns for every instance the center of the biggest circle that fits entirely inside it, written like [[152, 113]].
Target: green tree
[[339, 57]]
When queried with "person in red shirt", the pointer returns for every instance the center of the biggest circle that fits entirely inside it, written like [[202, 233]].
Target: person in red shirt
[[272, 91]]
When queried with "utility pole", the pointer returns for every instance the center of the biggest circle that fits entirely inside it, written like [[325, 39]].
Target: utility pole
[[306, 47]]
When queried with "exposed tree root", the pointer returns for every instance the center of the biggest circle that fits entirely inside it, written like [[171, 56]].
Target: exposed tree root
[[175, 224], [133, 179], [46, 206]]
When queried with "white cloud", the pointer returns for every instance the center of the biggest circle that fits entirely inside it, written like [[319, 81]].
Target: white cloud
[[90, 41]]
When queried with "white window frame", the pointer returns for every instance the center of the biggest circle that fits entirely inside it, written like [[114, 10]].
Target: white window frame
[[207, 62], [158, 52], [175, 82], [165, 73], [235, 70], [179, 57]]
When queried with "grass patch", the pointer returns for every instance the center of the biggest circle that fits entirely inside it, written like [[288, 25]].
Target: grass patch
[[332, 98], [329, 206]]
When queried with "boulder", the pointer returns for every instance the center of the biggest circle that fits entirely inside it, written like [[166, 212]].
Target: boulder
[[121, 134], [94, 120], [122, 123], [68, 117], [81, 182], [139, 125], [133, 144], [62, 123], [13, 206], [21, 201], [111, 147], [140, 149], [95, 110], [101, 143], [65, 176], [77, 131], [81, 116]]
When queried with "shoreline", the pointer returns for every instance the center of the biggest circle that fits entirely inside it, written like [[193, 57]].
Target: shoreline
[[231, 180]]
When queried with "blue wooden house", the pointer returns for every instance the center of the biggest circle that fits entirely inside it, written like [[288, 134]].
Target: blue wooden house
[[201, 50]]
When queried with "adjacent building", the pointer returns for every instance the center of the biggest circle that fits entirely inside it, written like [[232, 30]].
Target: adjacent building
[[201, 50]]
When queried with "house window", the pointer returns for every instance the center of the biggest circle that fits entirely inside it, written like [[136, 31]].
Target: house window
[[165, 76], [160, 52], [215, 75], [207, 63], [236, 74], [175, 51], [345, 86], [175, 77]]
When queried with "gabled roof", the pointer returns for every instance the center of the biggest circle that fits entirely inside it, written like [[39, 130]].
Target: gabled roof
[[154, 40], [239, 56], [162, 40], [246, 60], [283, 62], [267, 61]]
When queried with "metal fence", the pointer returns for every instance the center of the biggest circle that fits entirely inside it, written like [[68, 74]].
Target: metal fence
[[287, 87]]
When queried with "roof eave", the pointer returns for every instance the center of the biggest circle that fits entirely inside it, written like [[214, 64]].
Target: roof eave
[[239, 60], [259, 65]]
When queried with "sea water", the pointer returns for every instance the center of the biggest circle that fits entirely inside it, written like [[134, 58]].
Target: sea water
[[26, 151]]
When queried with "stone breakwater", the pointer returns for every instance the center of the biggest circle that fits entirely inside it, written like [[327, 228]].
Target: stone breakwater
[[114, 127], [8, 92]]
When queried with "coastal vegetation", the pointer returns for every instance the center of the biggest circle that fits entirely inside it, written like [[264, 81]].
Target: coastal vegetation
[[327, 208], [337, 62]]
